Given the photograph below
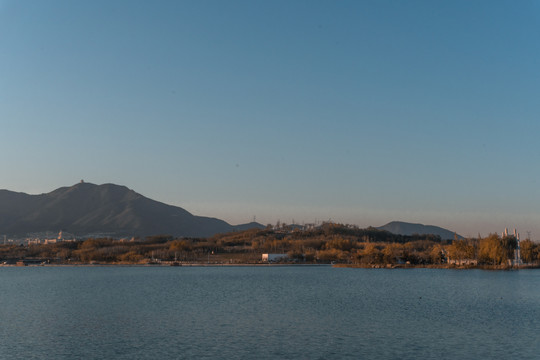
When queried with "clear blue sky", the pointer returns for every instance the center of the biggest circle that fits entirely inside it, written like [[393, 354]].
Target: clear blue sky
[[361, 112]]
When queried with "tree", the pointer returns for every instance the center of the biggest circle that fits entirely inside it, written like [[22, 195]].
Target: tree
[[392, 253], [180, 245], [131, 257], [337, 242], [529, 251], [436, 254], [462, 250], [371, 254], [158, 239], [509, 245], [332, 255], [495, 250]]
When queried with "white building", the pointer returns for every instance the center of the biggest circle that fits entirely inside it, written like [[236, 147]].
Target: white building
[[274, 257]]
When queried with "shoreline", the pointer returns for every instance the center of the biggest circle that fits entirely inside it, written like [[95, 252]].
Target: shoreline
[[163, 265], [439, 266], [349, 266]]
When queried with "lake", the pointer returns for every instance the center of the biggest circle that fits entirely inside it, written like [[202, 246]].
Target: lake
[[275, 312]]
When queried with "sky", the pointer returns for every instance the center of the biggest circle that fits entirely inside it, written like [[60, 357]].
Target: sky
[[358, 112]]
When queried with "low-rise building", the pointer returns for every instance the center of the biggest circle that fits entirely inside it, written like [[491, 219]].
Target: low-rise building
[[274, 257]]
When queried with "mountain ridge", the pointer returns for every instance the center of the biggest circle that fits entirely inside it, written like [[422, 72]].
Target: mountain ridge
[[108, 208]]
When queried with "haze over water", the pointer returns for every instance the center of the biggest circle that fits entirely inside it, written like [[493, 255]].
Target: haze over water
[[301, 312]]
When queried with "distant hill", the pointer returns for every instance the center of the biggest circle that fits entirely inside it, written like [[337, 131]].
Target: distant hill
[[404, 228], [87, 208]]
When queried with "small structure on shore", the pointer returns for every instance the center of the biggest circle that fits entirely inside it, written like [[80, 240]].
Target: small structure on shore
[[274, 257]]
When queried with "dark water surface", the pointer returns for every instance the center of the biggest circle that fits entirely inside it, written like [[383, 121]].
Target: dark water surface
[[267, 313]]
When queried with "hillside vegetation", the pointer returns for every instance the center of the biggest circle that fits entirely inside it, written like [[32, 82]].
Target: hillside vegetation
[[330, 243]]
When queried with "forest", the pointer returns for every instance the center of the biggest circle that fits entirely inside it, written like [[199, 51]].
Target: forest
[[339, 244]]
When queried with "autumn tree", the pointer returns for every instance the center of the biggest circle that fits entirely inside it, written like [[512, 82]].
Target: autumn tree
[[461, 250], [180, 245], [370, 254], [496, 250], [436, 254], [392, 253], [529, 251], [339, 243]]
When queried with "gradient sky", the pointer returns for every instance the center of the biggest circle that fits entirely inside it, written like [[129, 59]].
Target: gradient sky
[[361, 112]]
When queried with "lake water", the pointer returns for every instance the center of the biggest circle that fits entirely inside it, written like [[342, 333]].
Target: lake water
[[302, 312]]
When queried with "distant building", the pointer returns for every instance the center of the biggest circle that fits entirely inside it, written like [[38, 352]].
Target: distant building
[[46, 238], [274, 257], [36, 241]]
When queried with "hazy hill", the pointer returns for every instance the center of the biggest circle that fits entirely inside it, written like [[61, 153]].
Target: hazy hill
[[88, 208], [404, 228]]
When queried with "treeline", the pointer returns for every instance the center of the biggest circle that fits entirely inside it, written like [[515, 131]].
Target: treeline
[[329, 243], [493, 250]]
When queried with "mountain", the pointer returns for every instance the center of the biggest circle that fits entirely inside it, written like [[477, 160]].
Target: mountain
[[87, 208], [404, 228]]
